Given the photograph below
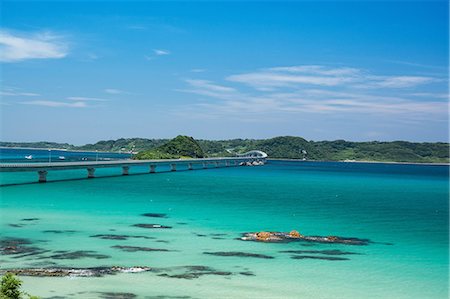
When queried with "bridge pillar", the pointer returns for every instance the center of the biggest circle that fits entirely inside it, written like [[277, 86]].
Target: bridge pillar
[[42, 176], [91, 173], [235, 163], [125, 170], [227, 163], [152, 168], [216, 163], [205, 165], [190, 166], [173, 167]]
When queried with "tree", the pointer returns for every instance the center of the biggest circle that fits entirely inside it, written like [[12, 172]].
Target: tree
[[10, 288]]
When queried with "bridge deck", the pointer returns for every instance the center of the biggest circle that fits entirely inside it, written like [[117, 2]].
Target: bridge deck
[[13, 167]]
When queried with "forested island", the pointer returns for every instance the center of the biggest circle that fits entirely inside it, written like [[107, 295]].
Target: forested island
[[287, 147]]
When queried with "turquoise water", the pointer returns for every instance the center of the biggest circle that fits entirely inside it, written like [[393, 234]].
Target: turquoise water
[[402, 209]]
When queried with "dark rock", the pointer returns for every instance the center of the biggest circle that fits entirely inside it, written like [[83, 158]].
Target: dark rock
[[240, 254], [29, 219], [146, 225], [282, 237]]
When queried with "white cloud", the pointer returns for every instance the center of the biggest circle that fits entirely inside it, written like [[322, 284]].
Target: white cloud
[[299, 76], [403, 81], [15, 47], [269, 79], [198, 70], [113, 91], [14, 94], [287, 90], [160, 52], [85, 99], [56, 104], [317, 69]]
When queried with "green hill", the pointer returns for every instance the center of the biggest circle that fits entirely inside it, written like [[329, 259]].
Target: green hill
[[179, 147]]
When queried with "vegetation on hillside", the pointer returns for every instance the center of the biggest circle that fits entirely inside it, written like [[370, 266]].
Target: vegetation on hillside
[[179, 147], [289, 147]]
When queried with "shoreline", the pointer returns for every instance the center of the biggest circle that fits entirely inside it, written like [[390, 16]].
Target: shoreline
[[365, 162]]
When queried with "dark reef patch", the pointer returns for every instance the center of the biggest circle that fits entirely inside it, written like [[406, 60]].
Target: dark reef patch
[[154, 215], [314, 257], [29, 219], [119, 237], [324, 252], [12, 246], [79, 254], [200, 235], [77, 272], [168, 297], [16, 225], [137, 248], [247, 273], [56, 231], [149, 225], [239, 254], [189, 272], [116, 295]]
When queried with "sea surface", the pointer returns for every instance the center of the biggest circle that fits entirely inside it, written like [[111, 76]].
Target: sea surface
[[402, 209]]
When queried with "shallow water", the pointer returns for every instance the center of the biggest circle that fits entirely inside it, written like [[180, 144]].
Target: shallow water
[[402, 209]]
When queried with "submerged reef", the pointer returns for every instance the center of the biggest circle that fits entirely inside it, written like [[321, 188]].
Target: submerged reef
[[137, 248], [239, 254], [119, 237], [280, 237], [154, 215], [149, 225], [193, 272], [76, 272]]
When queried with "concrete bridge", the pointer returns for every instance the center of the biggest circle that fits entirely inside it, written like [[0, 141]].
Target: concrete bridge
[[43, 168]]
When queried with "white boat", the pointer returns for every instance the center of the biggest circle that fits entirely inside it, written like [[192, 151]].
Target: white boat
[[62, 158], [29, 157]]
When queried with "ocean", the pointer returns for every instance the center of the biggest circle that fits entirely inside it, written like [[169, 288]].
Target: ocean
[[402, 211]]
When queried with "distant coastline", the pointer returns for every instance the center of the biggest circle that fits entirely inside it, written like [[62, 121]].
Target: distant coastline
[[283, 147], [363, 162]]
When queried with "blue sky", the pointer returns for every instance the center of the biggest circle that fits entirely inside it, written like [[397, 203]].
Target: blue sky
[[86, 71]]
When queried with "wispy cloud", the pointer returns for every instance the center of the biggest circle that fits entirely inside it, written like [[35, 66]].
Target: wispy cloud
[[314, 89], [402, 81], [160, 52], [198, 70], [15, 94], [304, 75], [15, 47], [56, 104], [85, 99], [156, 53], [113, 91]]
